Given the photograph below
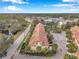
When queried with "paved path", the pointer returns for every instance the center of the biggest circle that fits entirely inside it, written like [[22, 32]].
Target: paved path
[[61, 40], [12, 50], [20, 56]]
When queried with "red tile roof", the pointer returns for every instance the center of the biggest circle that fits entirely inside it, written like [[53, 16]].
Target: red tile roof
[[75, 35], [39, 35], [77, 54], [75, 32]]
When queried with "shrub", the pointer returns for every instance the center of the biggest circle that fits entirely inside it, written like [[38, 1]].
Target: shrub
[[4, 44], [71, 47], [68, 34], [54, 48], [38, 49], [45, 50], [67, 56]]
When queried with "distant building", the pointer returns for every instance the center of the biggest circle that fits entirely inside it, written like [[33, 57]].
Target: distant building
[[76, 19], [52, 20], [39, 37], [60, 24], [55, 20], [28, 19]]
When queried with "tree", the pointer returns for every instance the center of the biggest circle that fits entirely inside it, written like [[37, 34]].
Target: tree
[[48, 57], [68, 25], [54, 47], [3, 45], [27, 49], [71, 47], [73, 57], [67, 56], [45, 50], [50, 37], [78, 23], [38, 49], [23, 45], [14, 29], [68, 34]]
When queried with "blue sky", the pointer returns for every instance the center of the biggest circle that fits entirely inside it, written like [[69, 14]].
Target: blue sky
[[39, 6]]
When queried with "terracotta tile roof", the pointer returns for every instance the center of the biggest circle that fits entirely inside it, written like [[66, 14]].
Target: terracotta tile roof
[[77, 54], [39, 35], [75, 32], [75, 35]]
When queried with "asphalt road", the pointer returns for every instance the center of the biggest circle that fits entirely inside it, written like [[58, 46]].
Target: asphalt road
[[61, 40], [13, 49]]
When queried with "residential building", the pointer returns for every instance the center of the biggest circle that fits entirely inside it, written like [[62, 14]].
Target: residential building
[[39, 37], [75, 34]]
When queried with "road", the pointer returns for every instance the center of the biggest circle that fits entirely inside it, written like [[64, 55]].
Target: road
[[20, 56], [13, 49], [61, 40]]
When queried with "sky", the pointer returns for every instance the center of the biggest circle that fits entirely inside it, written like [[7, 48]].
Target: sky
[[39, 6]]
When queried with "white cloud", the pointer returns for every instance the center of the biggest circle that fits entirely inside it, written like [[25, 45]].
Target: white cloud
[[16, 1], [68, 6], [62, 5], [12, 8], [70, 0], [65, 8]]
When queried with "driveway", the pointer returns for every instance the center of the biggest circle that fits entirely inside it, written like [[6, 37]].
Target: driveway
[[61, 40]]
